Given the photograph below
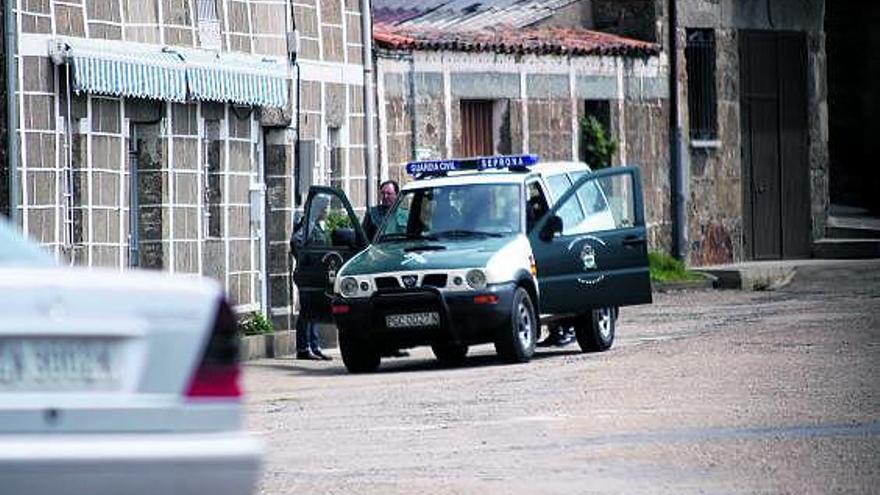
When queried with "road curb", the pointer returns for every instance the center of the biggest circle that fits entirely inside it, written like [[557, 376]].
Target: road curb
[[269, 345], [709, 282]]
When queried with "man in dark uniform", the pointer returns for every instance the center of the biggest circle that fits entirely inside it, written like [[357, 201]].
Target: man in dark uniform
[[387, 196]]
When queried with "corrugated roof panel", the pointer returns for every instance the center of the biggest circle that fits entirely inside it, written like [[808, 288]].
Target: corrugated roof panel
[[466, 14]]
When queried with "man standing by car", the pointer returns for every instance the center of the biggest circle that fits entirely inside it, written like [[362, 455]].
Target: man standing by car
[[308, 345], [375, 215]]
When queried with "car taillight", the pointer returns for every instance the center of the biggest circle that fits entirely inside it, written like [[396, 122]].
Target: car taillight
[[217, 374]]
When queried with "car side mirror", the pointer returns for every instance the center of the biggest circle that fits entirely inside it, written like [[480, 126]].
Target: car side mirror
[[551, 228]]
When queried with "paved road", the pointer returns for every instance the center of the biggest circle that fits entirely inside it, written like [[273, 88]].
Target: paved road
[[704, 392]]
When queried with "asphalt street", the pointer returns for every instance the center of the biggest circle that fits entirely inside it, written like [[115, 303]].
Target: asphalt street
[[716, 392]]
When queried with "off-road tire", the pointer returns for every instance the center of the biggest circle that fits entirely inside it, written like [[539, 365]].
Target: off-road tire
[[595, 331], [358, 355], [449, 353], [515, 342]]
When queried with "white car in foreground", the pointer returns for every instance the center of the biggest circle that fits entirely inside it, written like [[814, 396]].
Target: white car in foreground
[[115, 383]]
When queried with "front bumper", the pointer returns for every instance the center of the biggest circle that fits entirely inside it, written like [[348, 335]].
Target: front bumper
[[131, 464], [462, 320]]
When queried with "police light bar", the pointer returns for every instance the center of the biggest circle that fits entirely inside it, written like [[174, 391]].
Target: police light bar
[[442, 167]]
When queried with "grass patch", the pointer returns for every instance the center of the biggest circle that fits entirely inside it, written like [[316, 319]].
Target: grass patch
[[665, 268]]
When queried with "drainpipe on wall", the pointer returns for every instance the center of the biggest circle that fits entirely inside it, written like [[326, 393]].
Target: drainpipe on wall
[[11, 113], [369, 124], [676, 154]]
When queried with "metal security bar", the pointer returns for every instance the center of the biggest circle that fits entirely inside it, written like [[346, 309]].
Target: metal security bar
[[700, 59]]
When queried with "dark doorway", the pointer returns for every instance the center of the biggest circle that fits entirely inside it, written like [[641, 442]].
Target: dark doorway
[[853, 51], [476, 128], [776, 185]]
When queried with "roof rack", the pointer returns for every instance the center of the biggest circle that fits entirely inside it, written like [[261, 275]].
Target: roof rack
[[439, 168]]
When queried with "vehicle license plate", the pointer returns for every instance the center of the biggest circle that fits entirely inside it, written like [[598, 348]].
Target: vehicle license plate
[[57, 364], [413, 320]]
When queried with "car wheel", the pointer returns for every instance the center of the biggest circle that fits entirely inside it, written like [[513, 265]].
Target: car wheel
[[358, 355], [595, 331], [515, 342], [449, 353]]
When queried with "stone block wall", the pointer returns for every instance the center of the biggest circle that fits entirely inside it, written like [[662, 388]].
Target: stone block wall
[[4, 164], [542, 118], [330, 29], [715, 209], [196, 160]]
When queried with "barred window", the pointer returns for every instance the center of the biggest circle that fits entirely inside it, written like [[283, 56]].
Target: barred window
[[700, 59]]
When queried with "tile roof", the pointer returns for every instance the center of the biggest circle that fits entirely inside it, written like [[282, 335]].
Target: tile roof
[[501, 26], [512, 40]]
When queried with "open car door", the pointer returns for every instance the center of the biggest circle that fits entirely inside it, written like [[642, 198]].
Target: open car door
[[591, 248], [328, 235]]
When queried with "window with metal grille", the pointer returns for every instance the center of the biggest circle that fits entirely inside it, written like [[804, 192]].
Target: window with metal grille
[[209, 24], [334, 158], [476, 128], [700, 58], [213, 179]]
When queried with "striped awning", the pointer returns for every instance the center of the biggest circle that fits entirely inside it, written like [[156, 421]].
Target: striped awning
[[175, 74], [236, 78], [107, 69]]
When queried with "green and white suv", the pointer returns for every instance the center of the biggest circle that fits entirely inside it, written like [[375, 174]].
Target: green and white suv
[[476, 251]]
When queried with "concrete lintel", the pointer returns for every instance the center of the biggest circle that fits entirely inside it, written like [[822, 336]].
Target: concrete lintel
[[488, 85], [548, 86]]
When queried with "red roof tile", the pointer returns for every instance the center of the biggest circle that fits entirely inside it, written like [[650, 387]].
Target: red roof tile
[[541, 40]]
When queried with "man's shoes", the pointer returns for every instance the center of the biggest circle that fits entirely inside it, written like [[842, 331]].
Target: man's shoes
[[320, 355], [567, 337], [307, 356], [552, 340]]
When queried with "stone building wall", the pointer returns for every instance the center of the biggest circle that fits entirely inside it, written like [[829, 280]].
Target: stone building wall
[[197, 160], [716, 199], [538, 103], [4, 164]]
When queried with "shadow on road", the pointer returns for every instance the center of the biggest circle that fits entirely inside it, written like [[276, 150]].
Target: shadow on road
[[416, 364]]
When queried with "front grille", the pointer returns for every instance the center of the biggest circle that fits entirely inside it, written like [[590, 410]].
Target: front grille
[[435, 280], [387, 283]]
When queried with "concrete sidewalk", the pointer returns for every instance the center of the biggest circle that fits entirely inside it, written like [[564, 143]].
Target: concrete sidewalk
[[765, 275]]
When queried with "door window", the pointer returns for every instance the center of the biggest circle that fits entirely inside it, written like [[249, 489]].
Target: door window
[[608, 202], [536, 204], [327, 223], [571, 213]]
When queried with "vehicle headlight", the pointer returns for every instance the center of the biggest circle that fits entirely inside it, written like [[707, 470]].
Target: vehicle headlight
[[348, 287], [476, 279]]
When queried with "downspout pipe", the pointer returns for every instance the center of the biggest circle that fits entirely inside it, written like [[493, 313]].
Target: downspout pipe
[[12, 155], [369, 102], [676, 154]]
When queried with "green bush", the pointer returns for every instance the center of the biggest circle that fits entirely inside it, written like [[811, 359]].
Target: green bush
[[598, 148], [255, 324], [337, 219], [665, 268]]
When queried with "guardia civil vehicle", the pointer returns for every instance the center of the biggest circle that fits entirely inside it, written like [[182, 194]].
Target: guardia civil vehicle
[[479, 250]]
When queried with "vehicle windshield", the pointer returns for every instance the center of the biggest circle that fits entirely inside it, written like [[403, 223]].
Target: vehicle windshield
[[16, 251], [472, 210]]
